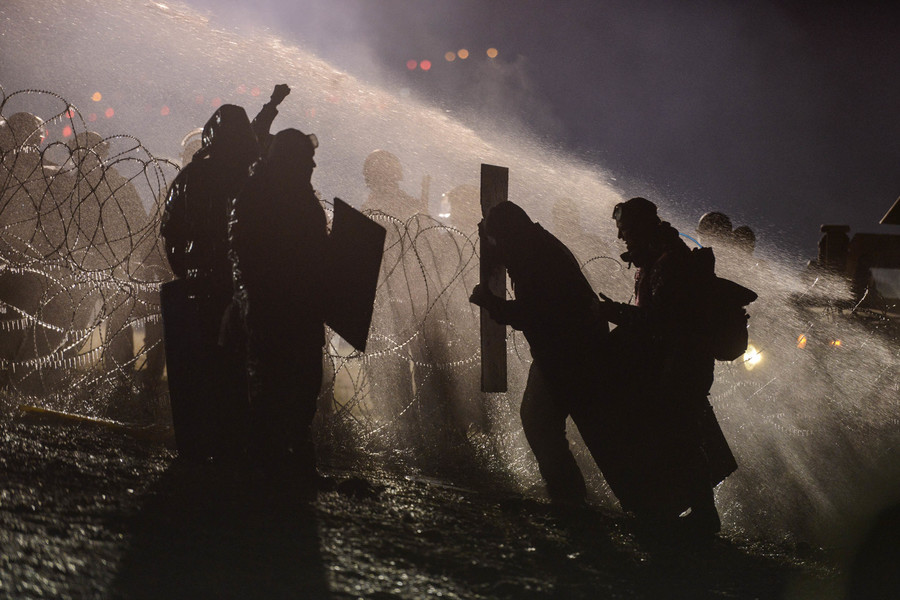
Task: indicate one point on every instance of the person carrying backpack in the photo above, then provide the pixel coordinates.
(664, 350)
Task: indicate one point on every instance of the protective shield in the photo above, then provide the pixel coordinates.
(181, 337)
(356, 247)
(207, 382)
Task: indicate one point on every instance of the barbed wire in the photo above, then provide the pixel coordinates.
(81, 264)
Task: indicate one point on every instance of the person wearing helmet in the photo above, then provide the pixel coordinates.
(553, 307)
(106, 218)
(21, 131)
(461, 207)
(278, 235)
(29, 232)
(744, 239)
(396, 313)
(714, 229)
(23, 185)
(677, 448)
(383, 173)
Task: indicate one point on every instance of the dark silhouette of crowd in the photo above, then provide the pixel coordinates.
(247, 239)
(638, 393)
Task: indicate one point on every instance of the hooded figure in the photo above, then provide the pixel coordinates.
(194, 223)
(278, 239)
(383, 173)
(675, 448)
(207, 381)
(553, 307)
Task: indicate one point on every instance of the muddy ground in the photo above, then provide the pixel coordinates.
(89, 511)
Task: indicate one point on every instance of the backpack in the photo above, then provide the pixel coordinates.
(725, 316)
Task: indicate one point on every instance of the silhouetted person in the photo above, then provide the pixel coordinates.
(401, 285)
(714, 229)
(383, 173)
(23, 187)
(453, 395)
(553, 308)
(208, 379)
(107, 215)
(148, 268)
(279, 236)
(680, 453)
(461, 208)
(872, 573)
(744, 239)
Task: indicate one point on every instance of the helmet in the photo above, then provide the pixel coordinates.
(89, 141)
(382, 167)
(462, 204)
(714, 224)
(190, 145)
(291, 146)
(21, 129)
(744, 237)
(636, 211)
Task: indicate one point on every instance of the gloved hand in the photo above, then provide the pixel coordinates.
(280, 93)
(481, 296)
(604, 309)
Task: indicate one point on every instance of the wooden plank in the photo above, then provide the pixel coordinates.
(494, 190)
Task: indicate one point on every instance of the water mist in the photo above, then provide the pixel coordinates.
(814, 425)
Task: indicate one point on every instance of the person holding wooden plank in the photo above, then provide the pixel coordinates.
(553, 307)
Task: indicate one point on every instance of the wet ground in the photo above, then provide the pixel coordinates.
(90, 511)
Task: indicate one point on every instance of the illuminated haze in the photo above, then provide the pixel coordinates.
(782, 114)
(811, 430)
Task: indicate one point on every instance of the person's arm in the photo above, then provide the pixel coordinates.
(173, 226)
(505, 312)
(262, 123)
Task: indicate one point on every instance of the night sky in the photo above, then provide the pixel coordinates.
(781, 114)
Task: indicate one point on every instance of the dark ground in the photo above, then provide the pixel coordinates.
(89, 511)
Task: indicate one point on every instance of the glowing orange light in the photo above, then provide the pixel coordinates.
(109, 113)
(492, 53)
(450, 56)
(255, 91)
(836, 343)
(164, 111)
(463, 54)
(411, 64)
(801, 341)
(92, 117)
(67, 131)
(216, 102)
(70, 114)
(97, 97)
(425, 64)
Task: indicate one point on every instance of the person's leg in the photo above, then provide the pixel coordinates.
(544, 423)
(301, 407)
(285, 380)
